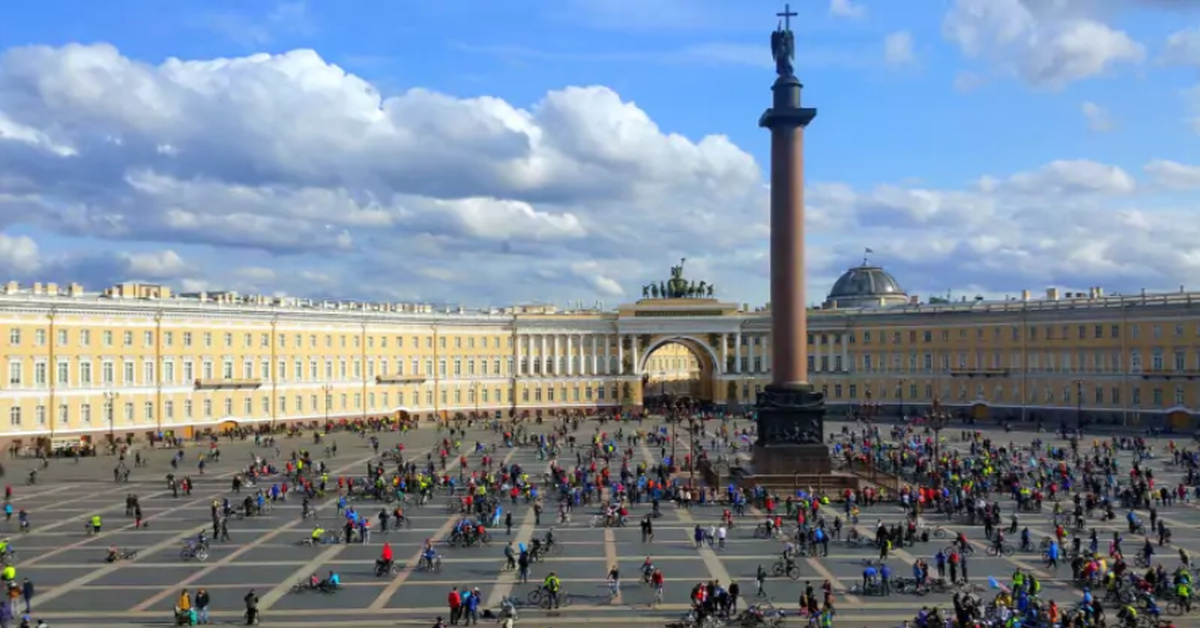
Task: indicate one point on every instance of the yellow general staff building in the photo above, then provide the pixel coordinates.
(137, 360)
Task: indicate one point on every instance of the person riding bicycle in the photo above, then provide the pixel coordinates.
(647, 569)
(317, 534)
(789, 556)
(333, 581)
(23, 520)
(114, 554)
(1129, 615)
(998, 541)
(428, 555)
(385, 561)
(870, 575)
(552, 586)
(961, 542)
(1134, 521)
(1184, 591)
(549, 538)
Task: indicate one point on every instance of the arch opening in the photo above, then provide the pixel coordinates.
(677, 369)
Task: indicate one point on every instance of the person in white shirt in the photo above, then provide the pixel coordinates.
(721, 537)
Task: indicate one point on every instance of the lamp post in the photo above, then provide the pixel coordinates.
(327, 389)
(110, 399)
(1079, 404)
(937, 420)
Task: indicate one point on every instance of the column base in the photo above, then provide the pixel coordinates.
(791, 431)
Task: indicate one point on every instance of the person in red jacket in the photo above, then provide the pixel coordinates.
(455, 602)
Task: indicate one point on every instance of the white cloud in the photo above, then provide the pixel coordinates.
(19, 255)
(1098, 119)
(847, 8)
(1172, 174)
(1046, 44)
(898, 49)
(284, 174)
(1183, 47)
(156, 265)
(1067, 177)
(289, 155)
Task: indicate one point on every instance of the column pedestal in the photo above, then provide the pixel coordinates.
(791, 420)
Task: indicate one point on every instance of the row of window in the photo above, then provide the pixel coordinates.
(1033, 333)
(1036, 394)
(207, 339)
(457, 397)
(1081, 361)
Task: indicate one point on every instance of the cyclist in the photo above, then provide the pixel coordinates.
(1129, 615)
(332, 582)
(656, 581)
(23, 520)
(1184, 591)
(317, 534)
(614, 580)
(869, 576)
(552, 586)
(428, 555)
(788, 556)
(384, 564)
(998, 542)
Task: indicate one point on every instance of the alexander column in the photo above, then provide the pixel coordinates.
(790, 413)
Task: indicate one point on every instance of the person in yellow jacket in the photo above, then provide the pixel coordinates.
(185, 602)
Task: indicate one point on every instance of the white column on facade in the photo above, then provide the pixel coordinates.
(595, 357)
(518, 356)
(845, 353)
(542, 354)
(637, 356)
(609, 353)
(737, 352)
(753, 339)
(555, 353)
(570, 354)
(620, 354)
(723, 367)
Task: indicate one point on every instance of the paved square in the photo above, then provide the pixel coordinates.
(75, 587)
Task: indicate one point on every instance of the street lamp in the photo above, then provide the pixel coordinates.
(937, 420)
(110, 399)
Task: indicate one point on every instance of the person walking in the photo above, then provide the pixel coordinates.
(202, 601)
(27, 593)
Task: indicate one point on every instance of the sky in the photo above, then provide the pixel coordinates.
(494, 153)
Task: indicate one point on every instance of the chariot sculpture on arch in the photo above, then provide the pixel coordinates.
(678, 287)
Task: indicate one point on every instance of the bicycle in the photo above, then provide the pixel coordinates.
(781, 568)
(190, 551)
(1005, 550)
(434, 565)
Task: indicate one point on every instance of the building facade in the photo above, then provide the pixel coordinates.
(137, 359)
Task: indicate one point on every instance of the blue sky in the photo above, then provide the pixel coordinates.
(977, 146)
